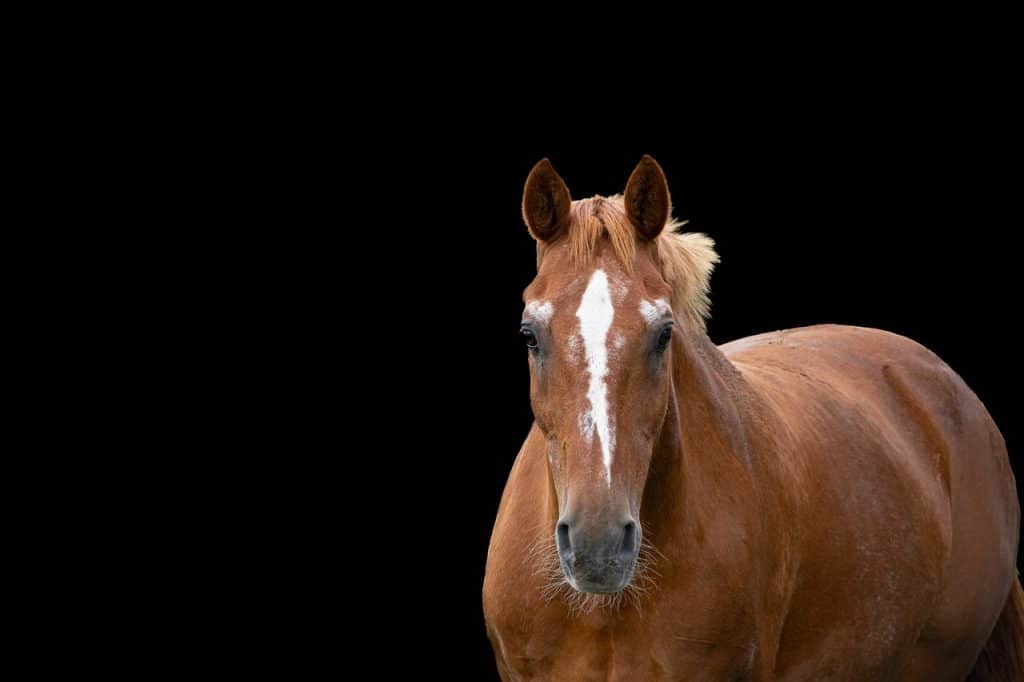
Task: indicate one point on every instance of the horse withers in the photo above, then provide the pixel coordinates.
(823, 503)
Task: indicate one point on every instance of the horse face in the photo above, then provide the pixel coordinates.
(599, 337)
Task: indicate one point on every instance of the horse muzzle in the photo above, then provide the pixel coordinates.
(598, 559)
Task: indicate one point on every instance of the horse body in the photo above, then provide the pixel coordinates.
(876, 479)
(903, 515)
(824, 503)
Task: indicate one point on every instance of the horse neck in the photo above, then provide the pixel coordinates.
(701, 453)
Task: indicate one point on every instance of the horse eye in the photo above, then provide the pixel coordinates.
(664, 338)
(528, 336)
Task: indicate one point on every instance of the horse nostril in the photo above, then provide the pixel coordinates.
(564, 543)
(629, 541)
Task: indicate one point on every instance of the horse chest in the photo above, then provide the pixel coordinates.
(623, 645)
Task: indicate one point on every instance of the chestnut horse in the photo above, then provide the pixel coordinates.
(823, 503)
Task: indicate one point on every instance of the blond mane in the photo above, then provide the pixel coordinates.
(686, 259)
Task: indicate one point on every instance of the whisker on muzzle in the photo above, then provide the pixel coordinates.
(542, 557)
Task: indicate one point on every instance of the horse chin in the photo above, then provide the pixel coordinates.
(604, 582)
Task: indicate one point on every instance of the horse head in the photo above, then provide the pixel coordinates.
(613, 289)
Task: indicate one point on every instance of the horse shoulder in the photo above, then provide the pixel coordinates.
(518, 555)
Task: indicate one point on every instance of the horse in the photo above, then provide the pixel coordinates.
(822, 503)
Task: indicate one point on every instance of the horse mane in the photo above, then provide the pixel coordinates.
(685, 259)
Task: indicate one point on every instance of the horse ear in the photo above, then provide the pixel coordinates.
(546, 202)
(647, 201)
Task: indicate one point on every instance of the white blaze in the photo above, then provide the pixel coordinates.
(595, 315)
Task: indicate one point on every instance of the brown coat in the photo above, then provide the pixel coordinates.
(824, 503)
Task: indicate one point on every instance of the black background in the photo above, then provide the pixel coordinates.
(897, 218)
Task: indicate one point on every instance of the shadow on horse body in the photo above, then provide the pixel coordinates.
(824, 503)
